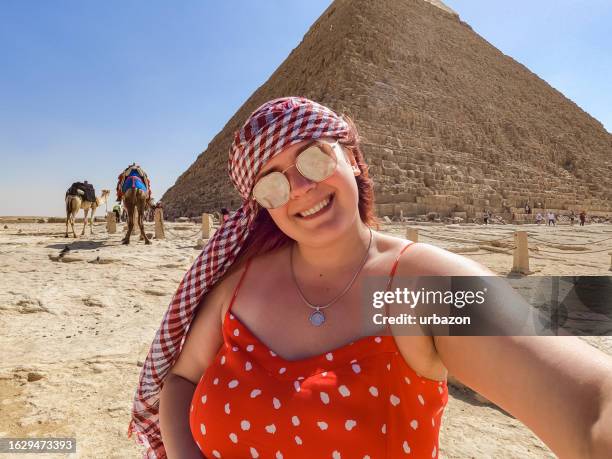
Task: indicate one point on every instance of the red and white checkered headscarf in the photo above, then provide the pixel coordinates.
(271, 128)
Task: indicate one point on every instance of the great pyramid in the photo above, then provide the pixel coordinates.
(449, 123)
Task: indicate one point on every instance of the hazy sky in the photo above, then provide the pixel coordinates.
(88, 87)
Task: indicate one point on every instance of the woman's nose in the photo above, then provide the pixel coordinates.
(299, 184)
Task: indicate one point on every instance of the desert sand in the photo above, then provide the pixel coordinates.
(76, 329)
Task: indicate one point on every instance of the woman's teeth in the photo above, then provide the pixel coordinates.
(315, 209)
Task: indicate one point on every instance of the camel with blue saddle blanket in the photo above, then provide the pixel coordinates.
(134, 190)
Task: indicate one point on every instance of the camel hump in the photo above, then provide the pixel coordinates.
(134, 170)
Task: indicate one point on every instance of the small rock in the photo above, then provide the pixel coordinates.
(97, 368)
(33, 376)
(139, 363)
(93, 302)
(5, 226)
(30, 305)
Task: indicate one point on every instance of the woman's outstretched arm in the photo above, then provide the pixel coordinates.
(558, 386)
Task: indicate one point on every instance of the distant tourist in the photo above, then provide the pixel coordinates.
(539, 218)
(572, 218)
(551, 218)
(224, 214)
(150, 209)
(117, 211)
(487, 216)
(582, 218)
(527, 209)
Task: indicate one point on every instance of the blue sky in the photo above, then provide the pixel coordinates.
(89, 87)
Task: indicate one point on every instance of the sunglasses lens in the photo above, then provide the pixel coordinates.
(272, 190)
(316, 164)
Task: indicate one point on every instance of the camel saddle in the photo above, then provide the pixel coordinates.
(85, 191)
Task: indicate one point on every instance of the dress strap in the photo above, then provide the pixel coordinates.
(394, 268)
(246, 268)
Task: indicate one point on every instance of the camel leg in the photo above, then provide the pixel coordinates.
(141, 209)
(126, 239)
(85, 211)
(137, 218)
(91, 219)
(72, 215)
(68, 214)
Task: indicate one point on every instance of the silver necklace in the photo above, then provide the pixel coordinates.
(317, 318)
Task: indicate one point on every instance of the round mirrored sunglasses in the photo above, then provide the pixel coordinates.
(316, 162)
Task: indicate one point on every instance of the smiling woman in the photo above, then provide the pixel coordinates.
(263, 351)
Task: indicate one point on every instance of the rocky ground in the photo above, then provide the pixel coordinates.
(76, 328)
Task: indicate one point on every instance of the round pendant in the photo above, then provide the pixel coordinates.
(317, 318)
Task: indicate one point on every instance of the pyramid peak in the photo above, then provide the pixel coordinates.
(442, 6)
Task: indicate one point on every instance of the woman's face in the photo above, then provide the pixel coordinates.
(338, 194)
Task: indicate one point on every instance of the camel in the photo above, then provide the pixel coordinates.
(135, 200)
(75, 202)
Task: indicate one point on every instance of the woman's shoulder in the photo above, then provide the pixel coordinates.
(422, 259)
(224, 290)
(219, 296)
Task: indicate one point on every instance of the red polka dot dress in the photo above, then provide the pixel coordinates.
(358, 401)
